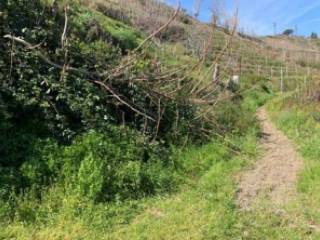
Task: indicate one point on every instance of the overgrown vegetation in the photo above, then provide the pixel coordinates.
(203, 202)
(98, 125)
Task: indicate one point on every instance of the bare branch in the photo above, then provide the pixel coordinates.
(109, 89)
(63, 36)
(48, 61)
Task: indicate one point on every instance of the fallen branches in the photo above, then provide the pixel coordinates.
(48, 61)
(140, 88)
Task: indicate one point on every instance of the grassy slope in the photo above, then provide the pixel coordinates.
(204, 207)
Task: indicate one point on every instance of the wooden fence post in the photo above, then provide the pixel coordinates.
(240, 65)
(281, 81)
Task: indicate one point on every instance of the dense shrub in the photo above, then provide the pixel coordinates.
(234, 116)
(119, 164)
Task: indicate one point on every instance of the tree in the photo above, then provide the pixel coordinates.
(314, 35)
(288, 32)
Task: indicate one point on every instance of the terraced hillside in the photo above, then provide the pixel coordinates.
(130, 119)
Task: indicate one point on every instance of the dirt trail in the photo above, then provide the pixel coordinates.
(274, 175)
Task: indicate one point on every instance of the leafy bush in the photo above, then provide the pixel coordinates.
(117, 165)
(234, 117)
(42, 167)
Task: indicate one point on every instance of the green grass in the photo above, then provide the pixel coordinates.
(208, 211)
(126, 36)
(203, 211)
(204, 207)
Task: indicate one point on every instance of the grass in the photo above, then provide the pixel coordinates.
(298, 123)
(203, 211)
(204, 208)
(126, 35)
(208, 211)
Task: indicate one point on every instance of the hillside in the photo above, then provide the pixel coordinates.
(133, 120)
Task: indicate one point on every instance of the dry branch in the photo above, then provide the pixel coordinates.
(64, 33)
(29, 46)
(110, 90)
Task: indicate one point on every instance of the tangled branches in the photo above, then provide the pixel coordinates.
(142, 90)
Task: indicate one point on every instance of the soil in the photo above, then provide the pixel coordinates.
(274, 176)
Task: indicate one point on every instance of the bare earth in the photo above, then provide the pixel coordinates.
(274, 176)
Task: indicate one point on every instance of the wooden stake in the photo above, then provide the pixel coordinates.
(281, 81)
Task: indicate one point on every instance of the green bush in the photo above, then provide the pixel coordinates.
(42, 167)
(97, 166)
(90, 177)
(119, 165)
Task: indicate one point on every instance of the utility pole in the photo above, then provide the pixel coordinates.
(274, 28)
(196, 9)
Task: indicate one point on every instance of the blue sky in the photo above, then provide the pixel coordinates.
(259, 16)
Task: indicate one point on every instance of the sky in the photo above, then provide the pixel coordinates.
(264, 17)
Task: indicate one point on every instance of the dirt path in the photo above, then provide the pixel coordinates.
(274, 175)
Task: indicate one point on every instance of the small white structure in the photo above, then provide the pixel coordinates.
(235, 79)
(234, 83)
